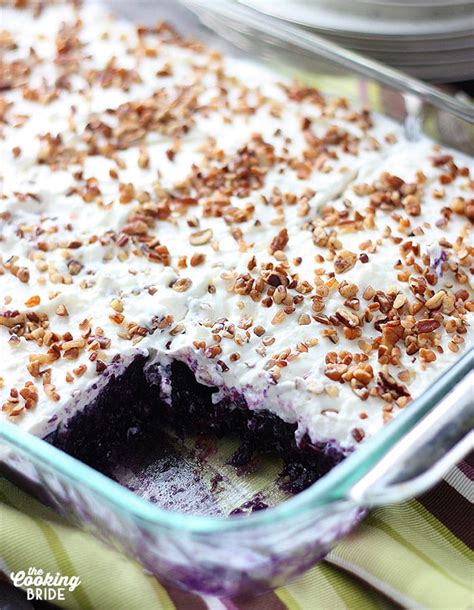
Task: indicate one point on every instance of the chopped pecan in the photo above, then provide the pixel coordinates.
(344, 261)
(347, 318)
(390, 385)
(427, 325)
(280, 241)
(335, 371)
(391, 332)
(200, 238)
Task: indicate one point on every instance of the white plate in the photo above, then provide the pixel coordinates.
(441, 59)
(410, 38)
(417, 2)
(441, 74)
(339, 16)
(430, 58)
(401, 46)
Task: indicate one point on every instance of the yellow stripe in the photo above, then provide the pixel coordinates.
(26, 504)
(61, 558)
(353, 594)
(12, 548)
(163, 598)
(420, 534)
(378, 554)
(320, 588)
(374, 96)
(381, 524)
(66, 567)
(93, 561)
(457, 544)
(286, 597)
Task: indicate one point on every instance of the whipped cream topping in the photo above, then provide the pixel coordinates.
(159, 198)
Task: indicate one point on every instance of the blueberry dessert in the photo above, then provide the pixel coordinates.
(189, 240)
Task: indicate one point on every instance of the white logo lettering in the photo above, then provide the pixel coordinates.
(41, 585)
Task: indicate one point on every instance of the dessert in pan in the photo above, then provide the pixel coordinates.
(188, 240)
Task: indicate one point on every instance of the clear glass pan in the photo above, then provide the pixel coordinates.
(230, 555)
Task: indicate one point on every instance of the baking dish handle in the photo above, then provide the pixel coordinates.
(426, 454)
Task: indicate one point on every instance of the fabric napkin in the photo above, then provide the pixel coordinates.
(416, 555)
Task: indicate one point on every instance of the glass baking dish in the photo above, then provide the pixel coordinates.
(231, 555)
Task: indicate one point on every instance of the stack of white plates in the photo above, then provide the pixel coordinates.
(430, 39)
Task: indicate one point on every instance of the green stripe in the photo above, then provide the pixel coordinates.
(17, 501)
(407, 522)
(60, 554)
(28, 504)
(442, 530)
(383, 593)
(331, 583)
(6, 500)
(64, 562)
(313, 589)
(286, 597)
(374, 96)
(164, 599)
(400, 573)
(387, 529)
(352, 594)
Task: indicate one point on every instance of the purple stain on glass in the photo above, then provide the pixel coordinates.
(437, 263)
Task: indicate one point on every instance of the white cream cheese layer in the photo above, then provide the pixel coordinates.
(158, 197)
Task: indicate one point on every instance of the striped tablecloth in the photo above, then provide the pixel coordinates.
(415, 555)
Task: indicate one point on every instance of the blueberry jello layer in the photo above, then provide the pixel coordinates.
(189, 239)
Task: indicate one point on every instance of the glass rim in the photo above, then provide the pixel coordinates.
(331, 488)
(297, 36)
